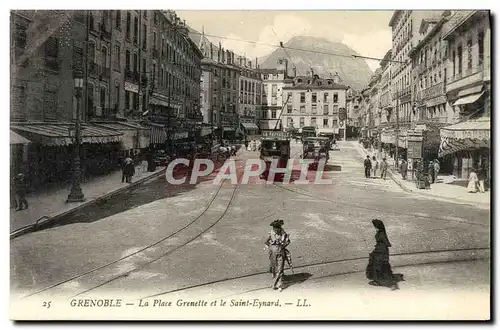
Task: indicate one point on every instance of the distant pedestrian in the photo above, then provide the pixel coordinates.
(473, 181)
(481, 175)
(430, 171)
(403, 168)
(379, 270)
(368, 167)
(437, 168)
(21, 189)
(129, 170)
(383, 168)
(374, 167)
(276, 242)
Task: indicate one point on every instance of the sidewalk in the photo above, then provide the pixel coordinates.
(443, 189)
(52, 204)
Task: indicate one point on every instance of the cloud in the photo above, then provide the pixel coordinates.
(372, 44)
(284, 27)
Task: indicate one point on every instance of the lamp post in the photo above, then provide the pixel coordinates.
(76, 194)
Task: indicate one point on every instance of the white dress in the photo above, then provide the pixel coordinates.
(472, 186)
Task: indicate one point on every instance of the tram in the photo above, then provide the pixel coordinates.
(274, 145)
(308, 131)
(316, 149)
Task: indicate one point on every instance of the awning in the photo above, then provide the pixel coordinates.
(472, 129)
(468, 99)
(18, 139)
(471, 90)
(228, 129)
(130, 132)
(155, 101)
(471, 134)
(58, 134)
(249, 126)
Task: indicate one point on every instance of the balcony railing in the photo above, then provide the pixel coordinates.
(466, 73)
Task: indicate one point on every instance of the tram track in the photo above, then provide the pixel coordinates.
(164, 239)
(326, 263)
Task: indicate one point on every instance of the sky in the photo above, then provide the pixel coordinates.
(367, 32)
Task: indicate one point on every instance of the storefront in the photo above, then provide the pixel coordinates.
(250, 130)
(469, 144)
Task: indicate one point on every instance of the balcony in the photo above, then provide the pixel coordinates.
(432, 92)
(467, 77)
(456, 21)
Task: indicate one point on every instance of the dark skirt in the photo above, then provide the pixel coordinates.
(379, 269)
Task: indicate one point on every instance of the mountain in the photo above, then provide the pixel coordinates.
(352, 71)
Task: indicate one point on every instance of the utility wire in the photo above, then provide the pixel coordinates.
(299, 49)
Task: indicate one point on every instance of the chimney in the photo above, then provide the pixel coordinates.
(256, 63)
(294, 71)
(250, 64)
(245, 61)
(239, 60)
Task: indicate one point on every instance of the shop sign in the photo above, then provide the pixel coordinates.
(180, 135)
(414, 149)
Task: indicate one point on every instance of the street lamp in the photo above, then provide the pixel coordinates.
(76, 194)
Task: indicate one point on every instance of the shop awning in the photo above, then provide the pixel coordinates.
(249, 126)
(130, 133)
(58, 134)
(18, 139)
(228, 129)
(468, 99)
(471, 134)
(157, 134)
(472, 129)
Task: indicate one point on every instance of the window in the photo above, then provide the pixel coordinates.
(18, 103)
(136, 63)
(325, 97)
(144, 36)
(289, 108)
(154, 40)
(325, 109)
(145, 12)
(480, 43)
(91, 51)
(127, 60)
(453, 56)
(335, 97)
(102, 98)
(335, 109)
(90, 97)
(334, 123)
(314, 98)
(313, 109)
(302, 109)
(118, 19)
(49, 106)
(274, 90)
(264, 114)
(104, 57)
(117, 96)
(144, 66)
(273, 114)
(136, 30)
(20, 36)
(129, 22)
(313, 121)
(117, 56)
(301, 122)
(302, 97)
(325, 122)
(52, 47)
(460, 56)
(469, 52)
(77, 58)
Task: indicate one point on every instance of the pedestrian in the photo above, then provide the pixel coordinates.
(129, 170)
(21, 189)
(368, 166)
(473, 181)
(481, 175)
(403, 168)
(437, 168)
(430, 171)
(383, 168)
(379, 270)
(276, 242)
(374, 166)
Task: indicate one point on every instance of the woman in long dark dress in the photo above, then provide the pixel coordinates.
(379, 269)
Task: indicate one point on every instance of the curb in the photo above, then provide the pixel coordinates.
(423, 193)
(45, 220)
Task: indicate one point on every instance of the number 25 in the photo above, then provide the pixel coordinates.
(46, 304)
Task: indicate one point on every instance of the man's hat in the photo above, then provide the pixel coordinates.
(277, 223)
